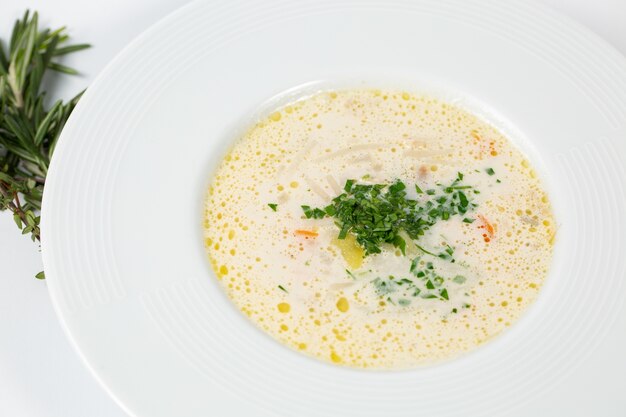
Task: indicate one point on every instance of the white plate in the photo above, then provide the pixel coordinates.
(122, 212)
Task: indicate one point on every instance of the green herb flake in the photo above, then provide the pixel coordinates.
(280, 287)
(315, 213)
(414, 265)
(459, 279)
(490, 171)
(400, 243)
(273, 206)
(462, 199)
(404, 302)
(384, 286)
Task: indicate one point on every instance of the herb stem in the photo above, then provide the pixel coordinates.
(424, 250)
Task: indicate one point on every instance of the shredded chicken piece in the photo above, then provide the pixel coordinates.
(350, 149)
(316, 188)
(333, 184)
(297, 161)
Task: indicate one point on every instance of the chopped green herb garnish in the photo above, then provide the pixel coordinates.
(490, 171)
(313, 213)
(273, 206)
(459, 279)
(280, 287)
(351, 275)
(468, 220)
(425, 282)
(462, 199)
(414, 265)
(330, 210)
(400, 243)
(382, 213)
(384, 286)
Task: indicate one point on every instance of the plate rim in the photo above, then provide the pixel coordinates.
(47, 206)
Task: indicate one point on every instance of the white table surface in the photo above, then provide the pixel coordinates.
(40, 375)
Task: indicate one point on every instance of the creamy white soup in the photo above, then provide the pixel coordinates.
(378, 229)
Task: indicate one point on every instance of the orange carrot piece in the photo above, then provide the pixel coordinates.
(490, 229)
(307, 233)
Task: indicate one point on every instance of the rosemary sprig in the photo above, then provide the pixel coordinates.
(29, 129)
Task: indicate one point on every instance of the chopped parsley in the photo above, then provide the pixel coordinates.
(382, 213)
(385, 286)
(280, 287)
(313, 213)
(447, 254)
(443, 293)
(425, 283)
(490, 171)
(273, 206)
(459, 279)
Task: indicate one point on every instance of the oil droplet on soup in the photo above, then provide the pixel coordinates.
(470, 273)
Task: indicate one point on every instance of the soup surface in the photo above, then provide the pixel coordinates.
(378, 229)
